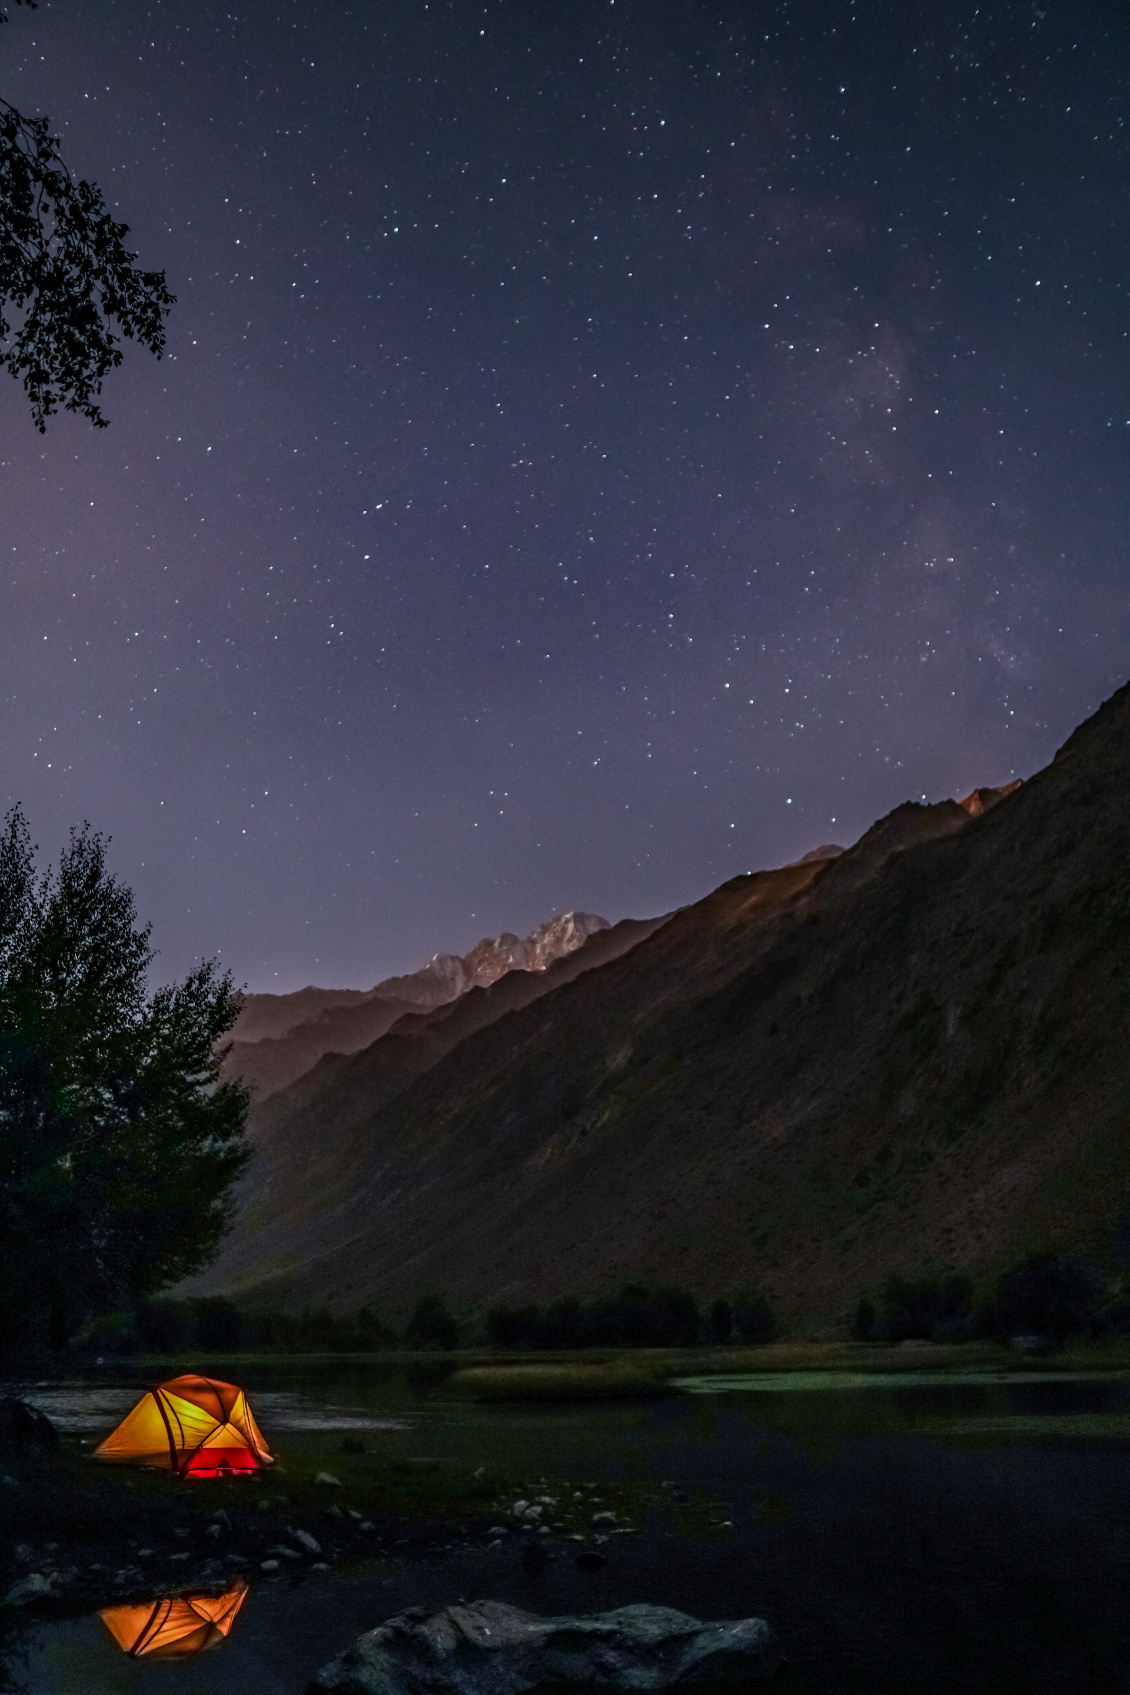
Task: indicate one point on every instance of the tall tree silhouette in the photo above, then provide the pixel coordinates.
(118, 1141)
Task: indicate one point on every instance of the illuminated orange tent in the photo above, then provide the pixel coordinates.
(196, 1426)
(177, 1626)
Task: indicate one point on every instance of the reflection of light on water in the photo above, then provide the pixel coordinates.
(76, 1409)
(176, 1625)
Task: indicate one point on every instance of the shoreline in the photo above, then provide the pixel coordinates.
(100, 1538)
(662, 1364)
(101, 1535)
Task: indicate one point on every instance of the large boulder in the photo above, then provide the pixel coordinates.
(490, 1648)
(21, 1422)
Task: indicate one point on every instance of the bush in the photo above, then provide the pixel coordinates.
(1057, 1296)
(216, 1326)
(372, 1333)
(316, 1331)
(753, 1319)
(565, 1324)
(165, 1327)
(1120, 1240)
(863, 1321)
(109, 1333)
(1054, 1295)
(1117, 1315)
(720, 1321)
(512, 1327)
(635, 1318)
(934, 1309)
(431, 1325)
(219, 1327)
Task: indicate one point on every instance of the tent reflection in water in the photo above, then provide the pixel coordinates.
(173, 1628)
(196, 1426)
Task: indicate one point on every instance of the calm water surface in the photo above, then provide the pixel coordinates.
(906, 1533)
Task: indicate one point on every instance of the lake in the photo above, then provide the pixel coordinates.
(908, 1532)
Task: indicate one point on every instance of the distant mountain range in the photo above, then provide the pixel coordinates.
(915, 1052)
(279, 1037)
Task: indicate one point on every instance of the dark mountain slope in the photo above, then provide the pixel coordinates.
(310, 1138)
(265, 1017)
(917, 1051)
(271, 1062)
(316, 1142)
(279, 1037)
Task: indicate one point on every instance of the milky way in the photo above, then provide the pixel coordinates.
(603, 447)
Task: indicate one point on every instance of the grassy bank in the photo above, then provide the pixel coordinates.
(647, 1373)
(561, 1380)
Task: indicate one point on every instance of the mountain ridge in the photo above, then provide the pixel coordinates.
(268, 1051)
(913, 1051)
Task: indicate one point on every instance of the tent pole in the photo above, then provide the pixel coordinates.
(160, 1400)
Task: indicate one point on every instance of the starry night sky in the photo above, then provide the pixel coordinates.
(604, 446)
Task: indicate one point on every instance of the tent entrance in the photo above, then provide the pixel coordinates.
(219, 1462)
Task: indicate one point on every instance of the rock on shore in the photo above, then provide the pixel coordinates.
(23, 1424)
(490, 1648)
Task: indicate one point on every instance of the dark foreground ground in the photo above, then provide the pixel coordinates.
(104, 1534)
(885, 1608)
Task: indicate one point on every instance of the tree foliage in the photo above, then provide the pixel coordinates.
(66, 272)
(431, 1325)
(118, 1141)
(1059, 1296)
(636, 1317)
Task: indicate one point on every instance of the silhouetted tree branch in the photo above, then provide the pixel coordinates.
(66, 270)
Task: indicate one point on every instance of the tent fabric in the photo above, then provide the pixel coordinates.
(195, 1425)
(175, 1626)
